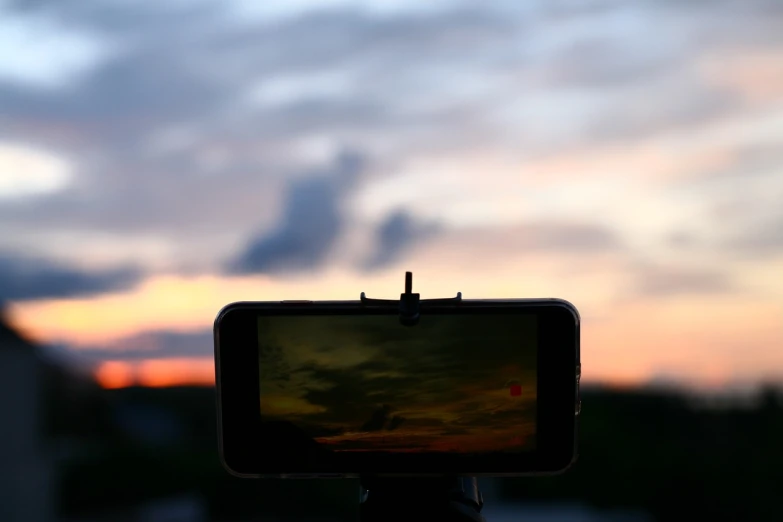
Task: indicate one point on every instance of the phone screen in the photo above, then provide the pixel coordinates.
(365, 383)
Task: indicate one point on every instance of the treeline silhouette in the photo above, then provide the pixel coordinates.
(673, 457)
(655, 451)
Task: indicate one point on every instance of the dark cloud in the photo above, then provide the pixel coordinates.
(489, 418)
(159, 344)
(275, 366)
(395, 422)
(395, 236)
(131, 94)
(192, 62)
(149, 76)
(383, 419)
(189, 61)
(344, 393)
(27, 279)
(665, 281)
(311, 224)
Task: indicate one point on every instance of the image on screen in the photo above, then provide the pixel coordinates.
(453, 383)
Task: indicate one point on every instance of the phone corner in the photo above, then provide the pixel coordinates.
(562, 469)
(224, 311)
(570, 465)
(231, 471)
(569, 306)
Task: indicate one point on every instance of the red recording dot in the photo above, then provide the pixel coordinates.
(515, 390)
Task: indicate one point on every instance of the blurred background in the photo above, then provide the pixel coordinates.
(161, 159)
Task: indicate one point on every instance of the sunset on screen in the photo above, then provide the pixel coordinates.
(452, 383)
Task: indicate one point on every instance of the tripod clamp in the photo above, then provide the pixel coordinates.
(446, 498)
(441, 499)
(409, 302)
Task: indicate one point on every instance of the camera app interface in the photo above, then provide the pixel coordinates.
(452, 383)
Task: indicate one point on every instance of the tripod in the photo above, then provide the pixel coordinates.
(439, 499)
(442, 499)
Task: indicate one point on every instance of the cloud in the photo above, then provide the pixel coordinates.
(382, 419)
(395, 236)
(764, 237)
(674, 280)
(58, 55)
(539, 245)
(573, 237)
(27, 279)
(534, 81)
(194, 63)
(310, 226)
(30, 172)
(159, 344)
(536, 237)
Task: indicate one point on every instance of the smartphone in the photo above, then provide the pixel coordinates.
(343, 389)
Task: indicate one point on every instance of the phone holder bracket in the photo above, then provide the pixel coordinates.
(443, 499)
(409, 302)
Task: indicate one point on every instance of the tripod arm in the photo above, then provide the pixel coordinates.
(434, 499)
(441, 499)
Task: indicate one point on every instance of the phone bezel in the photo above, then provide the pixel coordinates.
(559, 369)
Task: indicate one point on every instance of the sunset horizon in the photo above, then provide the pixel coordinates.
(152, 173)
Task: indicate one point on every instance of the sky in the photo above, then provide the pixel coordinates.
(159, 160)
(370, 383)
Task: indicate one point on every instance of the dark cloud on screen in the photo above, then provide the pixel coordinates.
(383, 419)
(440, 363)
(275, 368)
(489, 418)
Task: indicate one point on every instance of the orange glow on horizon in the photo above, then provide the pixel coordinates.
(115, 374)
(185, 304)
(157, 373)
(172, 303)
(626, 342)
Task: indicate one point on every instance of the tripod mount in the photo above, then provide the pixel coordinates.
(409, 302)
(437, 499)
(444, 498)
